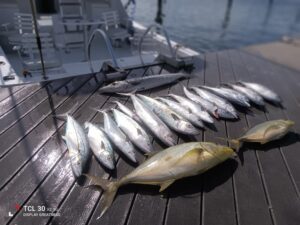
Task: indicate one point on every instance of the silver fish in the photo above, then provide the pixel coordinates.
(141, 83)
(77, 143)
(252, 95)
(207, 105)
(194, 107)
(153, 122)
(171, 118)
(128, 111)
(118, 137)
(184, 112)
(165, 167)
(225, 109)
(262, 90)
(230, 95)
(100, 145)
(133, 130)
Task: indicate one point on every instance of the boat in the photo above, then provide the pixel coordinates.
(79, 38)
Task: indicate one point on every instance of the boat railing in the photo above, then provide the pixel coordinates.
(108, 46)
(160, 27)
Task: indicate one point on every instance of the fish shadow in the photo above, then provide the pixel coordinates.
(189, 187)
(289, 139)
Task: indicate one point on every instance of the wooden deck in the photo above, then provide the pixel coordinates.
(261, 189)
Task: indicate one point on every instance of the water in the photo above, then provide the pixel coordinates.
(210, 25)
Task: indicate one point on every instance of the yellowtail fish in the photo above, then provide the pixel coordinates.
(264, 132)
(77, 143)
(165, 167)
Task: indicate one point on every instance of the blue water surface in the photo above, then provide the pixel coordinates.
(210, 25)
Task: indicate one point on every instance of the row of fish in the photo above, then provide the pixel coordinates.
(184, 160)
(161, 116)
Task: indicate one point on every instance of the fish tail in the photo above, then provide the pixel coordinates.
(233, 143)
(63, 116)
(109, 188)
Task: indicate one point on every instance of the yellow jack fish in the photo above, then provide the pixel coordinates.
(165, 167)
(264, 132)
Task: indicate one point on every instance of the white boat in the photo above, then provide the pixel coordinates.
(116, 42)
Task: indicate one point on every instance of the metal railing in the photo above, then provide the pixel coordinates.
(173, 55)
(108, 45)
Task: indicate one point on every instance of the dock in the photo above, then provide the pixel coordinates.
(260, 188)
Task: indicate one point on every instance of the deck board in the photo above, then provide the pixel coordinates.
(262, 189)
(251, 200)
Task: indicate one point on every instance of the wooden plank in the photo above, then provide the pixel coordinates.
(27, 124)
(71, 205)
(12, 162)
(251, 200)
(14, 115)
(289, 152)
(218, 197)
(285, 207)
(123, 202)
(59, 183)
(148, 200)
(5, 92)
(23, 185)
(16, 98)
(184, 197)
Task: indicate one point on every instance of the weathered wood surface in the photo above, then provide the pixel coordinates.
(261, 189)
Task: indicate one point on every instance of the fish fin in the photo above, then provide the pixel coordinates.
(102, 145)
(63, 116)
(139, 132)
(165, 185)
(264, 142)
(150, 154)
(109, 188)
(268, 129)
(134, 82)
(215, 113)
(175, 117)
(127, 94)
(99, 110)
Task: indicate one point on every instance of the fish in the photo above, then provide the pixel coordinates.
(231, 95)
(207, 105)
(264, 132)
(120, 140)
(128, 112)
(77, 144)
(225, 108)
(100, 145)
(136, 134)
(165, 167)
(184, 112)
(262, 90)
(252, 95)
(153, 122)
(194, 107)
(170, 117)
(142, 83)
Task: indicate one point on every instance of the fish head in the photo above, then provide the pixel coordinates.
(188, 127)
(116, 86)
